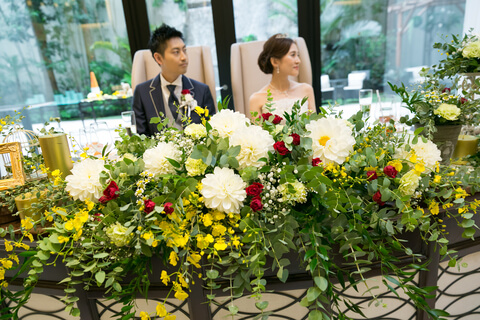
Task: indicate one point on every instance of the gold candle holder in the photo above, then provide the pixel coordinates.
(466, 146)
(24, 205)
(56, 153)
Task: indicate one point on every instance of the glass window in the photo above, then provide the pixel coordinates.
(49, 48)
(193, 18)
(258, 20)
(366, 43)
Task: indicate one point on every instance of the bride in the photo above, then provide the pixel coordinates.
(280, 57)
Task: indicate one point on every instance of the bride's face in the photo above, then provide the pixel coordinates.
(290, 62)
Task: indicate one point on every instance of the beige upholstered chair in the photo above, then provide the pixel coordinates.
(247, 77)
(200, 67)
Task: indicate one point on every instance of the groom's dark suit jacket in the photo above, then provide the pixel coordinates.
(148, 102)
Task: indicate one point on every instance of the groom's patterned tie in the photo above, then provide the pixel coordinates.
(173, 102)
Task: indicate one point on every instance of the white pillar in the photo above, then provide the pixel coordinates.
(472, 16)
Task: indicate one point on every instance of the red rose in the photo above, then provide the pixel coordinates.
(296, 139)
(390, 171)
(149, 206)
(254, 189)
(98, 215)
(167, 208)
(371, 175)
(256, 204)
(266, 116)
(377, 197)
(463, 100)
(186, 91)
(110, 192)
(316, 162)
(446, 90)
(279, 146)
(277, 119)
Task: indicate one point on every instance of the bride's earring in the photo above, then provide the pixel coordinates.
(278, 69)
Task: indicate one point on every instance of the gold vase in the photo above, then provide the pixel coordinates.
(56, 153)
(24, 205)
(466, 146)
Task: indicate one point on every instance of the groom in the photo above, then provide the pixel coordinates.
(162, 94)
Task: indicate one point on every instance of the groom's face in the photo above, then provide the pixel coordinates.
(174, 60)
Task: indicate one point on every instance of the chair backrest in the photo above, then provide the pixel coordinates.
(325, 81)
(200, 67)
(355, 79)
(247, 78)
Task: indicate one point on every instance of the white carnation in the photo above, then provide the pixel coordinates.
(226, 122)
(223, 190)
(156, 158)
(255, 144)
(332, 140)
(84, 182)
(196, 131)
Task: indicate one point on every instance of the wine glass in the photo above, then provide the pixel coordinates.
(128, 118)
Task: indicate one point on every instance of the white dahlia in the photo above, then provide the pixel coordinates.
(223, 190)
(84, 182)
(226, 122)
(332, 140)
(156, 158)
(255, 144)
(426, 153)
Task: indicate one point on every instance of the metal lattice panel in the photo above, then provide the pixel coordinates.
(284, 305)
(396, 308)
(107, 308)
(44, 307)
(459, 289)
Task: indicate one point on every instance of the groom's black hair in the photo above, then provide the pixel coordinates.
(159, 38)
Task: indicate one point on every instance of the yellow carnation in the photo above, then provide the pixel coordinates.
(195, 167)
(448, 111)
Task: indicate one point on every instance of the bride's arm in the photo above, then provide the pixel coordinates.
(311, 99)
(255, 105)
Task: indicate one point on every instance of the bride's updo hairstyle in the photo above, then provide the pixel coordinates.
(276, 46)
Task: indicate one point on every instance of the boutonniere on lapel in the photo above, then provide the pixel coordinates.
(187, 102)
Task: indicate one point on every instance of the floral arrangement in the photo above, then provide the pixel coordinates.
(221, 199)
(462, 55)
(431, 103)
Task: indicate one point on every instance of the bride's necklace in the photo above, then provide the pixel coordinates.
(285, 93)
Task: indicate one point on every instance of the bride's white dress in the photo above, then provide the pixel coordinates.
(285, 105)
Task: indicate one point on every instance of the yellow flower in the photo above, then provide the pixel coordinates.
(144, 316)
(220, 245)
(447, 205)
(171, 316)
(207, 220)
(462, 210)
(8, 246)
(62, 239)
(29, 236)
(7, 264)
(165, 278)
(2, 273)
(419, 167)
(161, 311)
(433, 207)
(173, 258)
(437, 179)
(181, 295)
(147, 235)
(218, 215)
(413, 158)
(56, 173)
(218, 230)
(194, 258)
(90, 204)
(27, 223)
(235, 241)
(460, 193)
